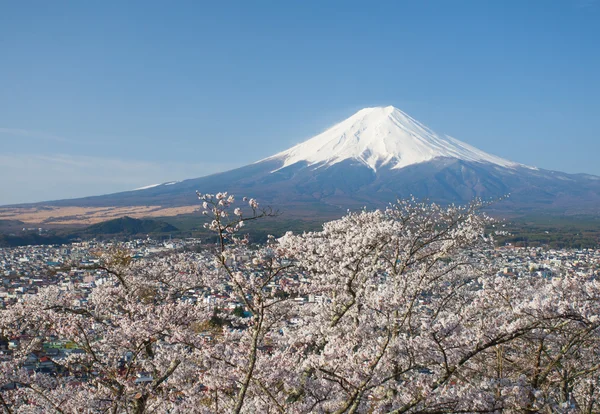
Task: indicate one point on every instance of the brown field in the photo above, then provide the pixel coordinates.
(87, 215)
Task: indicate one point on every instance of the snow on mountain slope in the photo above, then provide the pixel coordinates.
(155, 185)
(146, 187)
(383, 136)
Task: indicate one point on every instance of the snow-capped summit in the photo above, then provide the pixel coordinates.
(383, 136)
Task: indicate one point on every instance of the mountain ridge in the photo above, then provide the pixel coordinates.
(370, 159)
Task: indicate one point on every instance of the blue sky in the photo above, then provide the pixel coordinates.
(97, 97)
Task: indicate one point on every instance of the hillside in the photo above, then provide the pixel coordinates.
(129, 226)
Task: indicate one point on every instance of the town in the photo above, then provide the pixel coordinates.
(74, 269)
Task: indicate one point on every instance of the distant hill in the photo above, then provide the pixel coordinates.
(129, 226)
(125, 226)
(11, 224)
(31, 239)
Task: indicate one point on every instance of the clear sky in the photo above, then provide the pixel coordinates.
(104, 96)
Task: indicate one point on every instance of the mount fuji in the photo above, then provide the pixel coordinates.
(372, 158)
(382, 137)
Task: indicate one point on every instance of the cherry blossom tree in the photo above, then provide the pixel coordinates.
(399, 310)
(131, 337)
(404, 314)
(554, 366)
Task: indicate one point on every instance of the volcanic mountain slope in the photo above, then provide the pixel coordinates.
(372, 158)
